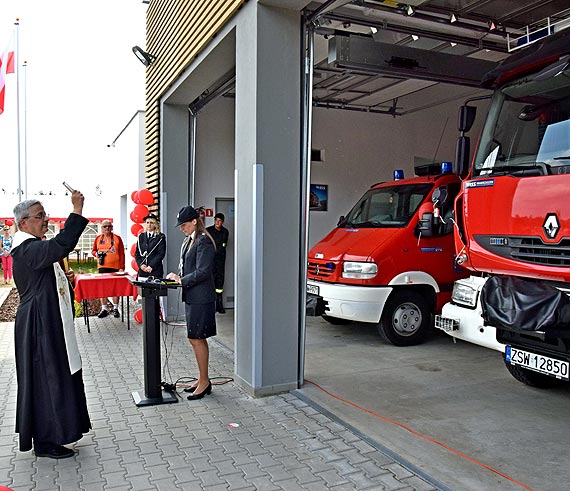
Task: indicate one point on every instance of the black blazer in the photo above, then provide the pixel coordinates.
(151, 252)
(198, 272)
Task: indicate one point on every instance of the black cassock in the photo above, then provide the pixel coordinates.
(51, 405)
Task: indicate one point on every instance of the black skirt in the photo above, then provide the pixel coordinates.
(201, 320)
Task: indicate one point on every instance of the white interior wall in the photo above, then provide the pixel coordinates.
(215, 153)
(362, 149)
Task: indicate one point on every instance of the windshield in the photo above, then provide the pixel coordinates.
(527, 131)
(387, 207)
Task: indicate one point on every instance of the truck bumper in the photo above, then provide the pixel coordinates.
(355, 303)
(467, 324)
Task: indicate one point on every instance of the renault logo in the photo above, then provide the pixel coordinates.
(317, 269)
(551, 225)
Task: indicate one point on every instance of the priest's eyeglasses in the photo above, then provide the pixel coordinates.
(40, 216)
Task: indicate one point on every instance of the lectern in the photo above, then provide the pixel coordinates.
(153, 394)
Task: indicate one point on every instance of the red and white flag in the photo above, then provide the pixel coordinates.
(6, 67)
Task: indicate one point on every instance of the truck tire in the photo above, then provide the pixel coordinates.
(335, 321)
(531, 378)
(406, 319)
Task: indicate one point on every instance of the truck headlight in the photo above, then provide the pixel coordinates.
(464, 294)
(360, 271)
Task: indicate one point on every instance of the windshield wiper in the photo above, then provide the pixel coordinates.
(521, 170)
(561, 158)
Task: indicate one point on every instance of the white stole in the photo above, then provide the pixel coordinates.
(67, 319)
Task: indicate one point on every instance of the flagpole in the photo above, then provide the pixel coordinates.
(25, 65)
(17, 62)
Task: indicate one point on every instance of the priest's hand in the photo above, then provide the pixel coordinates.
(70, 276)
(77, 200)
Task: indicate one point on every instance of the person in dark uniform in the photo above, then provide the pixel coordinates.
(197, 280)
(221, 235)
(151, 249)
(51, 408)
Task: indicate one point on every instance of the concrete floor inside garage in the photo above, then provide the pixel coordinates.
(459, 395)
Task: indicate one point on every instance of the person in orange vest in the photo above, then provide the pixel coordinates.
(109, 250)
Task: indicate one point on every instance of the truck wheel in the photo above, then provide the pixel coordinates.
(406, 319)
(534, 379)
(335, 321)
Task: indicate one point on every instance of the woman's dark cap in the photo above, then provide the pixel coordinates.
(186, 214)
(150, 215)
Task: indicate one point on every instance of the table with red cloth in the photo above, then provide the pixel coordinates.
(102, 285)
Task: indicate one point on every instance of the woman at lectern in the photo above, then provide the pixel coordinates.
(196, 275)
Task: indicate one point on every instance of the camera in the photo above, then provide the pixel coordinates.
(101, 255)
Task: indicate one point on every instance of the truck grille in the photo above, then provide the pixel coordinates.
(527, 249)
(320, 269)
(533, 250)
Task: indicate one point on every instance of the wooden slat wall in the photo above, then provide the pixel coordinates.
(177, 30)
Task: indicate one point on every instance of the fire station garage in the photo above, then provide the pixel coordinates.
(293, 121)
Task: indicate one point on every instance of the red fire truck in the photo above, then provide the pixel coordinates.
(390, 261)
(513, 217)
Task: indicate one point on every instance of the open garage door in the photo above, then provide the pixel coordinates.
(416, 62)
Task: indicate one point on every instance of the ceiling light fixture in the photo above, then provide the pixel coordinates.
(373, 30)
(453, 44)
(492, 26)
(410, 11)
(145, 58)
(452, 18)
(414, 37)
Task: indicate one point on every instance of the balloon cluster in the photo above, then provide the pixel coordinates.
(141, 199)
(9, 222)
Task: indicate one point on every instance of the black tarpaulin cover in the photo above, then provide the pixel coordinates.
(315, 305)
(515, 303)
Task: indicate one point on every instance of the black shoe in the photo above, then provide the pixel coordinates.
(207, 390)
(116, 314)
(189, 389)
(102, 314)
(53, 451)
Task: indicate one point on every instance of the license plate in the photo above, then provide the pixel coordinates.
(537, 363)
(313, 289)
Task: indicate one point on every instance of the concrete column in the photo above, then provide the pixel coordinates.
(175, 180)
(267, 152)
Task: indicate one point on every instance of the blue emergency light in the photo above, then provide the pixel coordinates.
(446, 167)
(398, 174)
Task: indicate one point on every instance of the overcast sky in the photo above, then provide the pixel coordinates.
(83, 84)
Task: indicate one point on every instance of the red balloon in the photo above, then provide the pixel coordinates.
(140, 212)
(138, 316)
(141, 231)
(134, 265)
(133, 249)
(145, 197)
(135, 197)
(9, 223)
(133, 217)
(136, 229)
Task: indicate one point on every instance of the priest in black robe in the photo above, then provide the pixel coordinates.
(51, 407)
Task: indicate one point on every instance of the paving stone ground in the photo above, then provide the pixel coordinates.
(226, 441)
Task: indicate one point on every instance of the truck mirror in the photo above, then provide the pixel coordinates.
(425, 225)
(340, 221)
(466, 118)
(439, 196)
(462, 150)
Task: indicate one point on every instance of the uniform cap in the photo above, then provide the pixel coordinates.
(186, 214)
